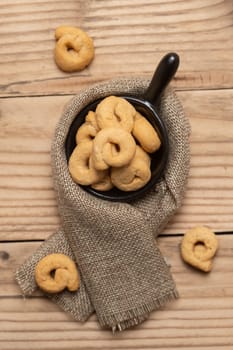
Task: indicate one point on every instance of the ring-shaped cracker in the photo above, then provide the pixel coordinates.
(115, 111)
(103, 185)
(55, 272)
(74, 49)
(105, 155)
(81, 167)
(198, 247)
(145, 134)
(91, 119)
(86, 132)
(135, 175)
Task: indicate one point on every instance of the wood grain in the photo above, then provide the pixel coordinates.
(130, 37)
(201, 319)
(28, 207)
(129, 40)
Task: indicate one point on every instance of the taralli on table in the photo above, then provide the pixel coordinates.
(145, 134)
(115, 111)
(81, 167)
(135, 175)
(198, 247)
(74, 49)
(105, 155)
(55, 272)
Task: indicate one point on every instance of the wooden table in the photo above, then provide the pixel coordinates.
(130, 37)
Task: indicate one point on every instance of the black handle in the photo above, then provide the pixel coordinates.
(164, 73)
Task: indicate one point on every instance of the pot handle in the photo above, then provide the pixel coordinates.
(164, 73)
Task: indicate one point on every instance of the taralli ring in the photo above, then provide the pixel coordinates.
(115, 111)
(198, 248)
(74, 49)
(91, 119)
(86, 132)
(81, 166)
(104, 185)
(135, 175)
(145, 134)
(55, 272)
(113, 147)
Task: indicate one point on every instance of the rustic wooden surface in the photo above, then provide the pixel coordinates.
(130, 37)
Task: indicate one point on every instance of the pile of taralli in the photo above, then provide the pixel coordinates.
(113, 147)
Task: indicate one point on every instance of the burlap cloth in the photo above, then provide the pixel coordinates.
(123, 274)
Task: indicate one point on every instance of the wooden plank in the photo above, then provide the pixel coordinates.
(201, 319)
(28, 207)
(129, 40)
(191, 283)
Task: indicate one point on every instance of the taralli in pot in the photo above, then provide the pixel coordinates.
(74, 49)
(145, 134)
(86, 132)
(81, 167)
(104, 185)
(104, 152)
(198, 247)
(115, 111)
(140, 154)
(91, 119)
(135, 175)
(114, 128)
(55, 272)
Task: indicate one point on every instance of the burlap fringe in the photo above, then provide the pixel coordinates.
(137, 315)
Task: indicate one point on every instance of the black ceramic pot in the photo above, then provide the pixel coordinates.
(147, 106)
